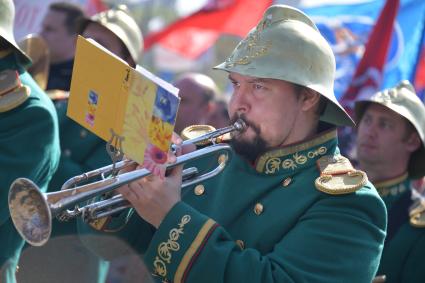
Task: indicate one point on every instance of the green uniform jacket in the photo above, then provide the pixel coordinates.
(402, 258)
(29, 147)
(266, 223)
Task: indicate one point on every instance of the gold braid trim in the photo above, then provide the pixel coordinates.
(274, 159)
(192, 250)
(391, 182)
(165, 248)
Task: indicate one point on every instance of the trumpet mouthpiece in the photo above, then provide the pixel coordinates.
(240, 125)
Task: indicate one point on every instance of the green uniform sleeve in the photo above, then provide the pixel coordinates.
(29, 148)
(335, 240)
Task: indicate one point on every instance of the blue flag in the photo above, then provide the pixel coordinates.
(347, 28)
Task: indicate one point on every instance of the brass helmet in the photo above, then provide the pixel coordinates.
(124, 26)
(286, 45)
(7, 15)
(403, 100)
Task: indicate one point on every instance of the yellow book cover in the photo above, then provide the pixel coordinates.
(109, 96)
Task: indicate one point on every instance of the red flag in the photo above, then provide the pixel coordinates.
(368, 76)
(193, 35)
(94, 7)
(420, 71)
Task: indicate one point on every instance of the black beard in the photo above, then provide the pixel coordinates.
(250, 150)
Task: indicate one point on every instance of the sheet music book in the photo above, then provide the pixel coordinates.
(109, 96)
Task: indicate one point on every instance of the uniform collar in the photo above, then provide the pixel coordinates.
(393, 186)
(294, 157)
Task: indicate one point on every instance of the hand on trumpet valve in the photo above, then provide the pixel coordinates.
(153, 196)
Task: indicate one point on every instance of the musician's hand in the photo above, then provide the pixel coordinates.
(155, 195)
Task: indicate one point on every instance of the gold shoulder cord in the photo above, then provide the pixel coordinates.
(12, 92)
(337, 176)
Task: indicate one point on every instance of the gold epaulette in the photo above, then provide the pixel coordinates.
(417, 215)
(12, 92)
(337, 176)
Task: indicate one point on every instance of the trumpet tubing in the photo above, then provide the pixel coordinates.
(32, 211)
(117, 203)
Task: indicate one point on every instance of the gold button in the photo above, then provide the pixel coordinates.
(83, 133)
(199, 190)
(258, 209)
(287, 181)
(241, 244)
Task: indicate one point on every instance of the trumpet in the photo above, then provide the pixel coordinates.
(32, 211)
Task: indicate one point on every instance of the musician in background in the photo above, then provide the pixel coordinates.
(391, 149)
(60, 30)
(196, 92)
(29, 139)
(288, 207)
(82, 151)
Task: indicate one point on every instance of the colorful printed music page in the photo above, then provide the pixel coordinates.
(108, 97)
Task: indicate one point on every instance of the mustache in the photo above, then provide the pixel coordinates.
(248, 122)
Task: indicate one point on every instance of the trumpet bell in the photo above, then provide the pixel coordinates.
(30, 212)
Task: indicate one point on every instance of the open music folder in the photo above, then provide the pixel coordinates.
(108, 97)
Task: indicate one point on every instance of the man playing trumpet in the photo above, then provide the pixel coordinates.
(288, 207)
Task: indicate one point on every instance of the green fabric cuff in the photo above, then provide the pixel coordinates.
(177, 242)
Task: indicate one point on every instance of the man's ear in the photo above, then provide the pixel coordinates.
(413, 142)
(310, 99)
